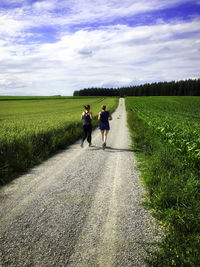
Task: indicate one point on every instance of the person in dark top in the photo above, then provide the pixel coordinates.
(86, 116)
(104, 117)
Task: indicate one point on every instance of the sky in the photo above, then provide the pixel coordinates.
(57, 46)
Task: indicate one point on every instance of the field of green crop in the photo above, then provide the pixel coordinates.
(177, 119)
(166, 136)
(31, 129)
(5, 98)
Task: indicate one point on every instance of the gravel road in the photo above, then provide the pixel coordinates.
(79, 208)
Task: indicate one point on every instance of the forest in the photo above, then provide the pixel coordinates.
(190, 87)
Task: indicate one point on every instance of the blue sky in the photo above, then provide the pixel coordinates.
(55, 47)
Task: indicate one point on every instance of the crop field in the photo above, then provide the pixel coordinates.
(166, 136)
(31, 129)
(176, 119)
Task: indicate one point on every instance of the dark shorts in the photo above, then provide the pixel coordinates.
(104, 126)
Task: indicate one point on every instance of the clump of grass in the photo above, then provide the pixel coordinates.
(173, 187)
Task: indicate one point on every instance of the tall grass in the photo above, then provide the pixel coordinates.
(173, 187)
(31, 130)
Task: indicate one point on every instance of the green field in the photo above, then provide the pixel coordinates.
(32, 129)
(5, 98)
(177, 119)
(166, 138)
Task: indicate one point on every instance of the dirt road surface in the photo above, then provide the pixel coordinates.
(79, 208)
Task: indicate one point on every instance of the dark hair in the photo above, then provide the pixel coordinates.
(87, 107)
(103, 107)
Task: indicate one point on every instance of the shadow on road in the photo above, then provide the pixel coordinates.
(113, 149)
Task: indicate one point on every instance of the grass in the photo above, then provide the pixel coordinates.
(172, 181)
(33, 129)
(6, 98)
(176, 119)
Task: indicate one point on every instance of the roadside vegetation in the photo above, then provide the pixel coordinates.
(32, 129)
(165, 132)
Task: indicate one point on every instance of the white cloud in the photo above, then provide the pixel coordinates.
(9, 26)
(44, 5)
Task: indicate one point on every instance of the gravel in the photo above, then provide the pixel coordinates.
(82, 207)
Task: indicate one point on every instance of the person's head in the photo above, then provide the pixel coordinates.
(87, 107)
(103, 107)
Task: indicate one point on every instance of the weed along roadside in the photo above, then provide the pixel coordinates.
(170, 171)
(33, 129)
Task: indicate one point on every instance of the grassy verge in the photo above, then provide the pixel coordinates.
(173, 186)
(26, 152)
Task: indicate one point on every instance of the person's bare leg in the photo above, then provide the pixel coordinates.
(102, 135)
(105, 136)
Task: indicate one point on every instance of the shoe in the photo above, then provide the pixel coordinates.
(90, 144)
(81, 144)
(104, 145)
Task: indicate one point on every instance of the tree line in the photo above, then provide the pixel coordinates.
(190, 87)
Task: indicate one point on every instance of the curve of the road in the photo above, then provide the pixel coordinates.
(79, 208)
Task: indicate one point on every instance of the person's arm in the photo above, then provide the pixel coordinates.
(110, 117)
(82, 115)
(91, 115)
(99, 116)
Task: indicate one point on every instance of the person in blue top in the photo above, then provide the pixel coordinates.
(86, 116)
(104, 117)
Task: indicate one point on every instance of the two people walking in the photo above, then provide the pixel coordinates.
(103, 116)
